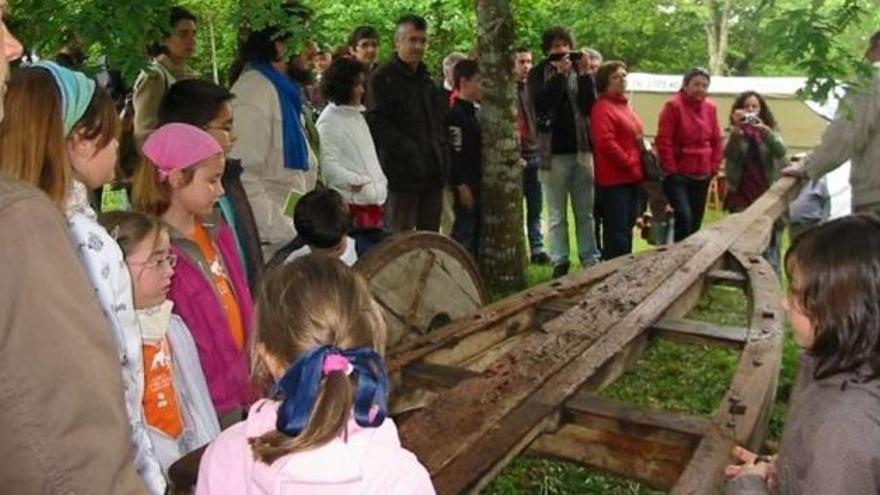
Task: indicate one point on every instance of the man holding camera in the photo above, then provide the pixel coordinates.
(561, 89)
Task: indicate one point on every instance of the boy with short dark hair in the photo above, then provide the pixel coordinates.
(322, 222)
(465, 138)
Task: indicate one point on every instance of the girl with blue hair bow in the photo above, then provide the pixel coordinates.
(323, 428)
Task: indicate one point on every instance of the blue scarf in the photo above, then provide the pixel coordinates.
(296, 154)
(303, 379)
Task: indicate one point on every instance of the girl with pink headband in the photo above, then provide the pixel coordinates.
(324, 426)
(180, 183)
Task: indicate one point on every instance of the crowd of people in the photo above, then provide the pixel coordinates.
(200, 295)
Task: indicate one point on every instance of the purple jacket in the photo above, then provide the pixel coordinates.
(197, 302)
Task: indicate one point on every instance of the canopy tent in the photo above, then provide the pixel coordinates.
(800, 122)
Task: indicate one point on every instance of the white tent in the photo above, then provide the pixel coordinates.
(801, 123)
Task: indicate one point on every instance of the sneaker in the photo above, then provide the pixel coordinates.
(560, 270)
(540, 259)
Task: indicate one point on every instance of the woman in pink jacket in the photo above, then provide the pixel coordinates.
(689, 142)
(323, 430)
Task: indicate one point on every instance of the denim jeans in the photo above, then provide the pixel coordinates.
(534, 205)
(570, 176)
(466, 227)
(620, 206)
(687, 196)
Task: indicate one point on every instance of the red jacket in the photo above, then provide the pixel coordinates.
(614, 127)
(689, 139)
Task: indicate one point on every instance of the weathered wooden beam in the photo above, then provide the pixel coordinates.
(591, 411)
(497, 314)
(435, 376)
(700, 332)
(726, 277)
(743, 414)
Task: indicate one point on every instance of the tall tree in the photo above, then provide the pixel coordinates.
(502, 244)
(717, 28)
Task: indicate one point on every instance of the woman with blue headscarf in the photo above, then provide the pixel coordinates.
(60, 135)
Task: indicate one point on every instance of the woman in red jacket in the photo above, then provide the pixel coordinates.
(689, 142)
(616, 131)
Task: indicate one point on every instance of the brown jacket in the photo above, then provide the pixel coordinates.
(831, 442)
(63, 426)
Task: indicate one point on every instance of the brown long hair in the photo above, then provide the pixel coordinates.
(32, 146)
(32, 140)
(834, 271)
(151, 195)
(130, 228)
(311, 302)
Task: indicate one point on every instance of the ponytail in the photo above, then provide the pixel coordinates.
(332, 410)
(320, 390)
(149, 194)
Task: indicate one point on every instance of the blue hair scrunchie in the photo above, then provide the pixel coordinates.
(302, 382)
(76, 91)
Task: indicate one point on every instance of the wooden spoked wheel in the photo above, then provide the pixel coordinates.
(422, 281)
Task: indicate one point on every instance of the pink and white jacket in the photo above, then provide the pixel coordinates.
(362, 461)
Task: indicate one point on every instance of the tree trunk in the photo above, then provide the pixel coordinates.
(502, 251)
(717, 33)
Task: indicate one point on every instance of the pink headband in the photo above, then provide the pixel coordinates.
(179, 146)
(337, 362)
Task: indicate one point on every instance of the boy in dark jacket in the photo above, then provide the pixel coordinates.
(466, 143)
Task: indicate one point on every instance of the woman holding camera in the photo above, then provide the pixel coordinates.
(752, 152)
(690, 145)
(752, 155)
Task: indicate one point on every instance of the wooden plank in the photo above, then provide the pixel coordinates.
(594, 412)
(654, 463)
(743, 414)
(700, 332)
(435, 376)
(726, 277)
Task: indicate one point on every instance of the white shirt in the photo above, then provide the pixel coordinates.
(349, 256)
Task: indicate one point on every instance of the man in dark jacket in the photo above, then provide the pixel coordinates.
(562, 92)
(405, 117)
(466, 141)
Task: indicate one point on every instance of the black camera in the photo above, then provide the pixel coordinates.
(573, 56)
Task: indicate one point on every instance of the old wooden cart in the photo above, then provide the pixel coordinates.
(523, 374)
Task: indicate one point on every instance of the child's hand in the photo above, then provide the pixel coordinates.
(753, 464)
(466, 196)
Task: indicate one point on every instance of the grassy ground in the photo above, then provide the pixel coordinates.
(673, 377)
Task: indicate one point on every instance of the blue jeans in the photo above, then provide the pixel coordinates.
(534, 205)
(687, 196)
(570, 177)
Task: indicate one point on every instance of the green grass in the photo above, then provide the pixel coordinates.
(673, 377)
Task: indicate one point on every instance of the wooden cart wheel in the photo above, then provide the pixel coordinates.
(422, 281)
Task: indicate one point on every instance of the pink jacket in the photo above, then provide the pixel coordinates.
(689, 139)
(365, 461)
(196, 301)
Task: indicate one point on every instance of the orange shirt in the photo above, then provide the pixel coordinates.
(222, 282)
(161, 408)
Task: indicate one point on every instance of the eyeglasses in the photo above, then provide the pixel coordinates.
(158, 262)
(224, 128)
